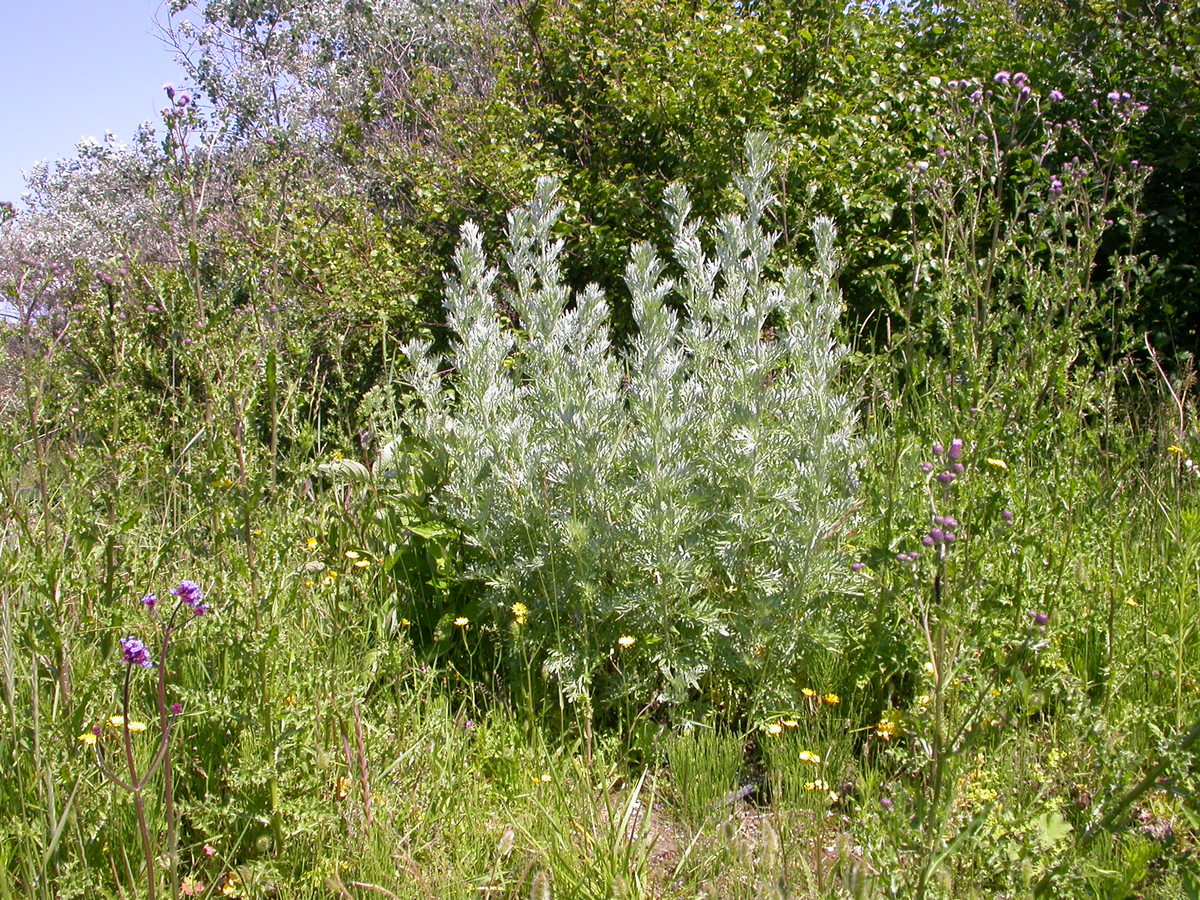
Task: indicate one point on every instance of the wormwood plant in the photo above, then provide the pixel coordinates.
(658, 525)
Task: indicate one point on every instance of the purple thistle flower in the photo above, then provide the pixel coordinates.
(946, 477)
(927, 467)
(1056, 96)
(976, 95)
(951, 537)
(1114, 97)
(938, 449)
(958, 468)
(857, 566)
(1040, 619)
(170, 89)
(886, 803)
(936, 534)
(150, 601)
(1020, 79)
(135, 653)
(1007, 516)
(1003, 78)
(176, 708)
(928, 541)
(1056, 186)
(956, 450)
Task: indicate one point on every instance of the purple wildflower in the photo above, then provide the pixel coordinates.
(926, 467)
(938, 449)
(946, 477)
(170, 89)
(184, 100)
(1114, 97)
(135, 653)
(955, 451)
(189, 592)
(928, 541)
(1040, 619)
(176, 708)
(976, 95)
(150, 601)
(886, 803)
(1007, 516)
(936, 534)
(1056, 186)
(958, 468)
(857, 566)
(1003, 78)
(1056, 96)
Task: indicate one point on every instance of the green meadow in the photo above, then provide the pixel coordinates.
(612, 449)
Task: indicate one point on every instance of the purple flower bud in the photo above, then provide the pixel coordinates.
(976, 95)
(928, 541)
(184, 100)
(150, 601)
(1003, 78)
(857, 566)
(953, 85)
(1056, 96)
(1020, 78)
(1039, 618)
(170, 89)
(1113, 97)
(176, 708)
(1133, 164)
(1056, 186)
(949, 522)
(951, 537)
(955, 451)
(937, 535)
(946, 477)
(938, 449)
(135, 653)
(1007, 516)
(886, 803)
(958, 468)
(927, 467)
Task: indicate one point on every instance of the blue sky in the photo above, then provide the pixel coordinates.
(75, 68)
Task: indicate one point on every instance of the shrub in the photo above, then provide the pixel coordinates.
(661, 524)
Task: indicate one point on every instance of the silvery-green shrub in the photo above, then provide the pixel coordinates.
(687, 492)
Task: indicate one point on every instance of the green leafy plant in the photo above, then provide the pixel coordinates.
(668, 517)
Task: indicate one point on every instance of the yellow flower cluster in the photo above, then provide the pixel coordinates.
(831, 699)
(520, 613)
(889, 725)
